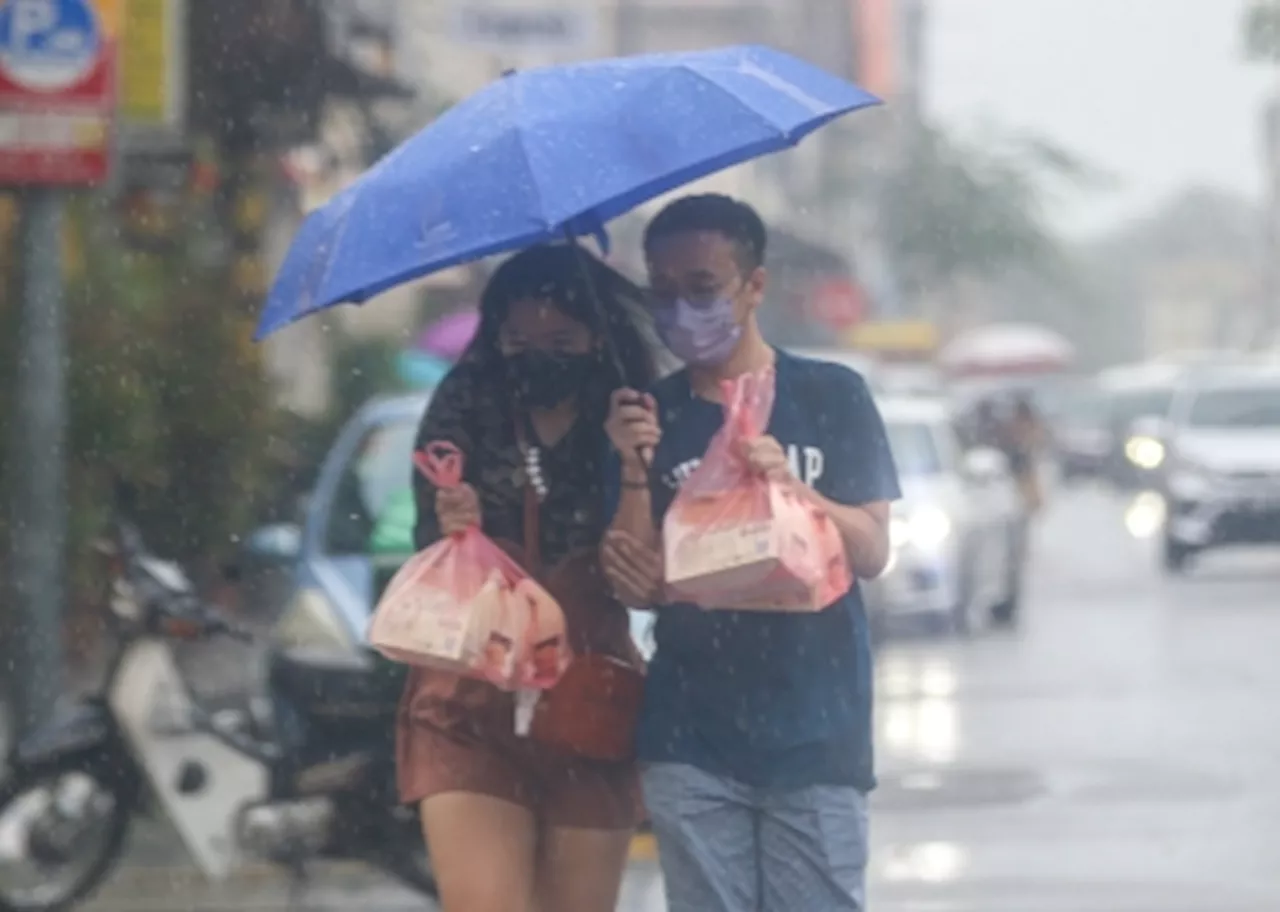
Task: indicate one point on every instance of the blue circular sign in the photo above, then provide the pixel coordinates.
(48, 45)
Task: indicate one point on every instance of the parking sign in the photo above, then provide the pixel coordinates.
(57, 62)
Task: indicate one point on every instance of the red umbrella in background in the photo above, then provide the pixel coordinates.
(1007, 348)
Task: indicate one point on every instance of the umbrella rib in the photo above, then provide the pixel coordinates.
(725, 160)
(766, 108)
(778, 131)
(524, 153)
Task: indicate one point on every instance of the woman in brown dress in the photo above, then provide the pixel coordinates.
(513, 825)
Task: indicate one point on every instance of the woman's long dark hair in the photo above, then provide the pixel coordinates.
(555, 272)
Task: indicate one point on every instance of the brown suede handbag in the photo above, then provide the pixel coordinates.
(592, 711)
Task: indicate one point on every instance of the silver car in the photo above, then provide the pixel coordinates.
(1221, 476)
(957, 533)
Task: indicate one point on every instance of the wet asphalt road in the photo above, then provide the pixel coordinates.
(1118, 753)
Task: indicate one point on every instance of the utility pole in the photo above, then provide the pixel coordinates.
(38, 479)
(884, 32)
(1261, 34)
(56, 102)
(1268, 317)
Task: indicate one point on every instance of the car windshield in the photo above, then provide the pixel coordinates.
(915, 448)
(1236, 407)
(384, 464)
(1129, 405)
(1076, 406)
(372, 506)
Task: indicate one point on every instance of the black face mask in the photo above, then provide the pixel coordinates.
(544, 380)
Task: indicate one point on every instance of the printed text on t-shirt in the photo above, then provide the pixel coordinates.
(807, 463)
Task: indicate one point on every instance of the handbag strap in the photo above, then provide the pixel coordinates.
(532, 524)
(532, 530)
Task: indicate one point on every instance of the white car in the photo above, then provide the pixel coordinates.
(958, 532)
(1221, 476)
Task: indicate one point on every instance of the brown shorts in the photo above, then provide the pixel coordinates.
(446, 744)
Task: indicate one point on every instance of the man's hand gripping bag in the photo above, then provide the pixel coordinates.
(463, 606)
(733, 539)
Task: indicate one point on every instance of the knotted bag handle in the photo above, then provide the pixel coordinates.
(741, 396)
(441, 463)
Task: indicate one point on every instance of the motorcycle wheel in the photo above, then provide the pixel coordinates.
(57, 838)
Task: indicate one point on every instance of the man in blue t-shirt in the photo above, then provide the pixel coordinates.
(755, 736)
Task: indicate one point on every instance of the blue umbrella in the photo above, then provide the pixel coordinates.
(548, 153)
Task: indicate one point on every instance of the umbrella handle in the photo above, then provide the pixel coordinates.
(610, 344)
(645, 453)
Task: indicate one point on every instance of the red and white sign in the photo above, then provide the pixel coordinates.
(837, 303)
(57, 91)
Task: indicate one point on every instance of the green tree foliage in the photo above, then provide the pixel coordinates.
(166, 389)
(974, 209)
(1261, 31)
(362, 369)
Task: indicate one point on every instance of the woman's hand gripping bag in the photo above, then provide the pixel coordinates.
(463, 605)
(733, 539)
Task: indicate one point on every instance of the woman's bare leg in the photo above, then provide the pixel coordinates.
(581, 870)
(483, 852)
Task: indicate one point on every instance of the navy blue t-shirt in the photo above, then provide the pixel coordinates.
(771, 699)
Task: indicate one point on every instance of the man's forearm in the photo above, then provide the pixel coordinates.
(865, 533)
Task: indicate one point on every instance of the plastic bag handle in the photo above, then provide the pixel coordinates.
(441, 463)
(738, 395)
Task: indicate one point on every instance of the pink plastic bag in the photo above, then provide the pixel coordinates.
(464, 606)
(732, 539)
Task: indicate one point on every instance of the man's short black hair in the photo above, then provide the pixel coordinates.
(713, 212)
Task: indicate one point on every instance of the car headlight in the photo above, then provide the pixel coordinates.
(930, 527)
(899, 532)
(1144, 452)
(926, 527)
(310, 631)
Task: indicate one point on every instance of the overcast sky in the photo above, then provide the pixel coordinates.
(1152, 91)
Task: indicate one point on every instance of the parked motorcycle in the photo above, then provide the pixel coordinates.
(307, 774)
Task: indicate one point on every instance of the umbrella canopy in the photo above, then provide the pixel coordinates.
(1007, 348)
(546, 153)
(449, 336)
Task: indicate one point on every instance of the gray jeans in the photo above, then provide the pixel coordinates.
(728, 847)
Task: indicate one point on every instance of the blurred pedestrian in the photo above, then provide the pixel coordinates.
(756, 730)
(512, 824)
(985, 427)
(1026, 436)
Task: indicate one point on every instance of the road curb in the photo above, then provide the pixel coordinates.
(644, 847)
(133, 878)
